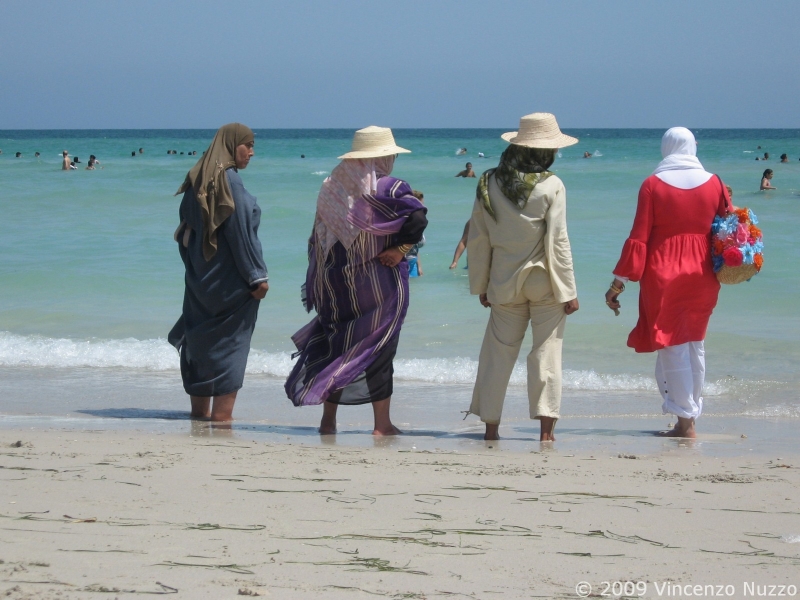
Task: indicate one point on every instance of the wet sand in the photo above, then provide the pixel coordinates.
(607, 423)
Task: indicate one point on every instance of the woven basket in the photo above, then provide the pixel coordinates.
(733, 275)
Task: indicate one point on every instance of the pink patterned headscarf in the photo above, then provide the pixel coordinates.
(350, 180)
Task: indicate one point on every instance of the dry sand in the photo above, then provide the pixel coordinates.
(118, 514)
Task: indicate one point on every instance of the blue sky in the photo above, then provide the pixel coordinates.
(433, 63)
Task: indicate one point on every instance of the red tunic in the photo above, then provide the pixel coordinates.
(669, 251)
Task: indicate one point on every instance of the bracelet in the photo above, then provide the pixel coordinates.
(404, 248)
(615, 289)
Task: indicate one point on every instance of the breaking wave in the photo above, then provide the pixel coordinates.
(158, 355)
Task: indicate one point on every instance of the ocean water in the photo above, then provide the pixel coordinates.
(91, 280)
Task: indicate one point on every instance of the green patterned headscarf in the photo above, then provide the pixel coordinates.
(520, 169)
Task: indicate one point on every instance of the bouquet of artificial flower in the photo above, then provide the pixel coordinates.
(737, 248)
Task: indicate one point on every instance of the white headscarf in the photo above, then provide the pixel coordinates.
(680, 167)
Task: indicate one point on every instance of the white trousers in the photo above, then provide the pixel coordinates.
(680, 374)
(505, 331)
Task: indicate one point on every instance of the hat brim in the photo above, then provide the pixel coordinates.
(375, 152)
(560, 141)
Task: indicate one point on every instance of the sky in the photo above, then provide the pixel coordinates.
(95, 64)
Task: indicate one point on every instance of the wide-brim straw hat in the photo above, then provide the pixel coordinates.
(373, 142)
(539, 130)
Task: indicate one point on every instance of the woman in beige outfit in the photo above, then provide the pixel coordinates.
(520, 264)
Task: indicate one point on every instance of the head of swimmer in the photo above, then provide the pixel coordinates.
(243, 154)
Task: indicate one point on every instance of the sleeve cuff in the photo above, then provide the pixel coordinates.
(478, 289)
(633, 259)
(261, 279)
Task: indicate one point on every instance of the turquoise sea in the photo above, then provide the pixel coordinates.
(91, 280)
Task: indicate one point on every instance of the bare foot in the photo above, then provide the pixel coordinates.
(669, 432)
(221, 418)
(383, 422)
(390, 430)
(222, 408)
(678, 432)
(548, 426)
(327, 426)
(684, 429)
(492, 432)
(201, 407)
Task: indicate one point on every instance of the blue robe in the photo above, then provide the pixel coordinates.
(219, 314)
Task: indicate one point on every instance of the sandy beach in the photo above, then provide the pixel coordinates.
(118, 514)
(549, 172)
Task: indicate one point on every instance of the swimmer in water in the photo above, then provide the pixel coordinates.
(766, 178)
(461, 151)
(587, 155)
(65, 161)
(461, 246)
(467, 172)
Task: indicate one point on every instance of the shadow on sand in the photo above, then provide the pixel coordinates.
(137, 413)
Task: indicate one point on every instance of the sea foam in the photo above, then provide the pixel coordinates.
(158, 355)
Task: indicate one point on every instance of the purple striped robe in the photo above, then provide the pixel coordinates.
(360, 303)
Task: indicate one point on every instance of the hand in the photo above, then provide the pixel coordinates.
(260, 291)
(391, 257)
(484, 301)
(571, 306)
(612, 301)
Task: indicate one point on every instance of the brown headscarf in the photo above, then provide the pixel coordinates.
(210, 184)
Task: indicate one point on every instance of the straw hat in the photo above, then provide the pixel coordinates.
(539, 130)
(372, 142)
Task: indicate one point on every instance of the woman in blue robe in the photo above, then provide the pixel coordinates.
(225, 274)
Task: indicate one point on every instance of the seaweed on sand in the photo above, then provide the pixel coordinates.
(233, 568)
(366, 564)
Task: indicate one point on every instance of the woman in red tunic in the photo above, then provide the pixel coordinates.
(669, 253)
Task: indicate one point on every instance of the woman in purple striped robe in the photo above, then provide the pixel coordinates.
(357, 281)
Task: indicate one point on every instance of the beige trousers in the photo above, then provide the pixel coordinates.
(505, 331)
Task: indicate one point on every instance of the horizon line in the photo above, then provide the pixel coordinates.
(352, 128)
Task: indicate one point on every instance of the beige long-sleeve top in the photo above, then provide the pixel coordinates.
(502, 253)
